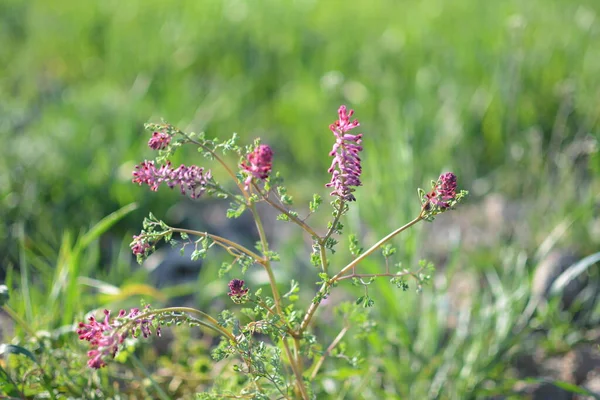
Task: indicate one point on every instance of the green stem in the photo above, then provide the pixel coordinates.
(335, 342)
(214, 324)
(285, 327)
(323, 253)
(334, 223)
(296, 370)
(375, 247)
(204, 315)
(277, 299)
(297, 349)
(323, 240)
(227, 193)
(220, 239)
(220, 160)
(139, 365)
(20, 321)
(390, 274)
(314, 306)
(293, 218)
(265, 261)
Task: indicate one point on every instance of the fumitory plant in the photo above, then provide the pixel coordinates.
(277, 350)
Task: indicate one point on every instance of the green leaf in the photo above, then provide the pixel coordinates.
(6, 349)
(104, 225)
(283, 217)
(315, 203)
(324, 277)
(569, 387)
(236, 210)
(388, 250)
(573, 272)
(197, 254)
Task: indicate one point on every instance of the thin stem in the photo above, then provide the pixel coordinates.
(400, 274)
(375, 247)
(273, 283)
(214, 324)
(262, 304)
(293, 218)
(273, 381)
(323, 240)
(265, 261)
(296, 370)
(139, 365)
(311, 310)
(335, 342)
(323, 253)
(314, 306)
(220, 160)
(220, 239)
(226, 192)
(334, 223)
(17, 318)
(265, 306)
(297, 349)
(277, 299)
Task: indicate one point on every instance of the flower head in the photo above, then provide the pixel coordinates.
(159, 140)
(192, 179)
(237, 291)
(139, 246)
(258, 164)
(106, 336)
(345, 168)
(443, 191)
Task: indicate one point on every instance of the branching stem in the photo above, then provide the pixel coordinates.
(337, 277)
(222, 240)
(335, 342)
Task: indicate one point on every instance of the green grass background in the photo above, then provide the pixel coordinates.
(502, 93)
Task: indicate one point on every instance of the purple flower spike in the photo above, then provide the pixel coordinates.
(159, 140)
(105, 337)
(192, 179)
(103, 343)
(258, 164)
(447, 186)
(444, 191)
(345, 168)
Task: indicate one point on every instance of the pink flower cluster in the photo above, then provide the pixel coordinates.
(444, 191)
(139, 246)
(106, 336)
(159, 140)
(192, 179)
(237, 291)
(258, 164)
(345, 168)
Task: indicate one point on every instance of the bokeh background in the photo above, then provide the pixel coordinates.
(506, 94)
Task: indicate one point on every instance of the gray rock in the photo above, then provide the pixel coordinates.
(592, 384)
(579, 363)
(549, 269)
(6, 327)
(541, 391)
(168, 266)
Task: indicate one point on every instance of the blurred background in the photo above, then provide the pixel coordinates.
(505, 94)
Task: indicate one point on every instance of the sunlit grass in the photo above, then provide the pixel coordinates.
(504, 94)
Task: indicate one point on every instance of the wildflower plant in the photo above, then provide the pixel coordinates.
(285, 360)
